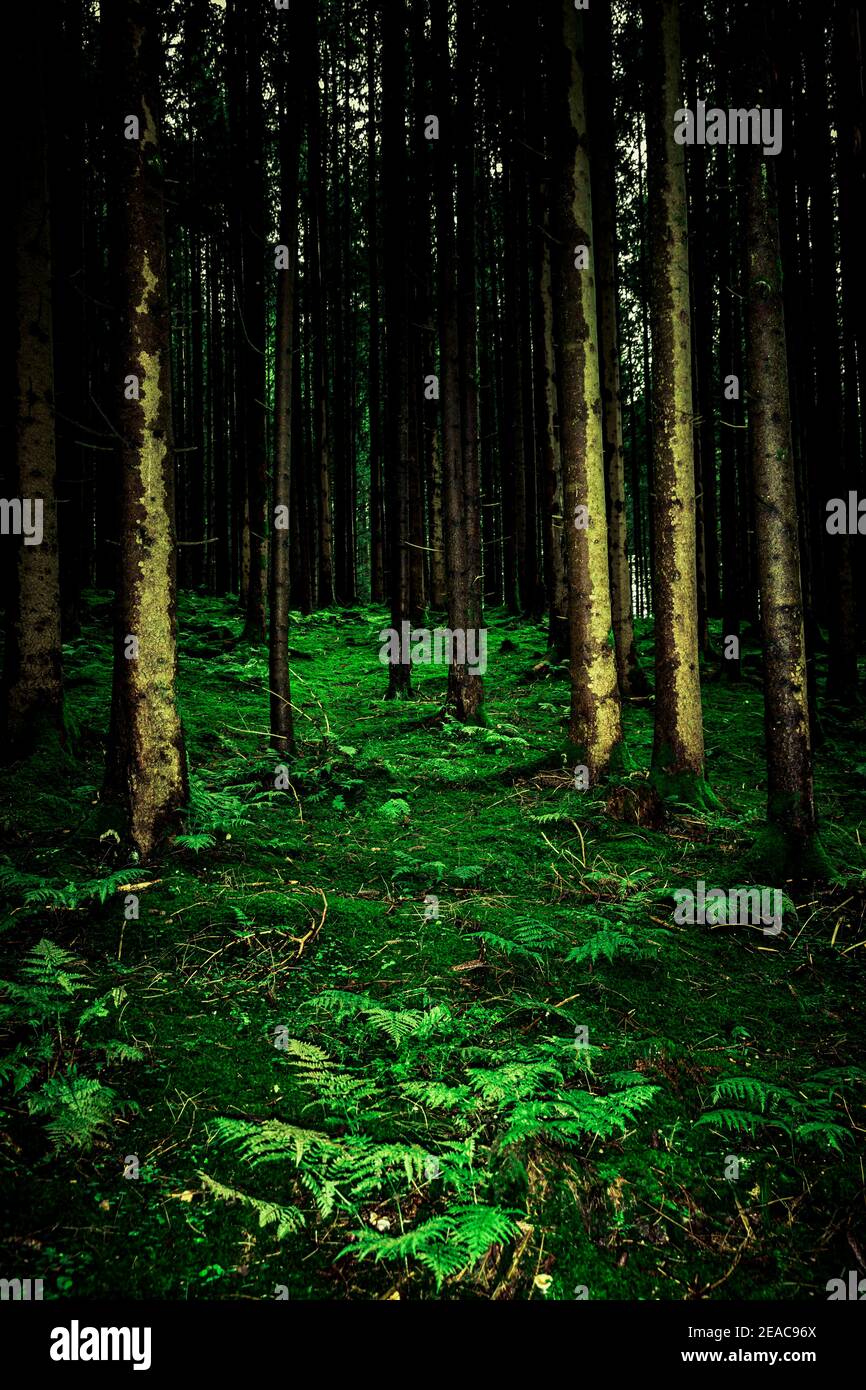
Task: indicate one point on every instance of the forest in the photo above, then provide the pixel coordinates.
(431, 790)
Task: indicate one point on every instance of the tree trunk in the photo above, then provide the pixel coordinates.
(790, 807)
(595, 726)
(146, 759)
(678, 746)
(396, 327)
(282, 725)
(632, 680)
(374, 408)
(32, 677)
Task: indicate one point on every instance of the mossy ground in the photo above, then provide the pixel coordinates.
(323, 886)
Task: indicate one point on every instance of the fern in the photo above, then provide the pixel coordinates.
(577, 1114)
(398, 1106)
(805, 1118)
(288, 1220)
(47, 1000)
(736, 1121)
(196, 842)
(445, 1245)
(79, 1108)
(608, 944)
(751, 1091)
(214, 812)
(516, 1081)
(524, 938)
(24, 1063)
(71, 896)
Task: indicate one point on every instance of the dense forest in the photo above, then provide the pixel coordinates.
(431, 803)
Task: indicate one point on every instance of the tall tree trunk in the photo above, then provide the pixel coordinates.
(544, 360)
(678, 745)
(374, 351)
(319, 331)
(146, 759)
(465, 690)
(282, 725)
(396, 288)
(632, 680)
(595, 726)
(32, 677)
(247, 124)
(67, 174)
(841, 611)
(851, 126)
(790, 807)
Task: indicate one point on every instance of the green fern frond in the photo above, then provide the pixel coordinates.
(752, 1091)
(823, 1132)
(741, 1121)
(445, 1245)
(49, 966)
(25, 1062)
(577, 1114)
(515, 1081)
(609, 944)
(196, 842)
(79, 1106)
(435, 1095)
(288, 1220)
(118, 1051)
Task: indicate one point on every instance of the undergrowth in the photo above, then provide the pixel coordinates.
(410, 1015)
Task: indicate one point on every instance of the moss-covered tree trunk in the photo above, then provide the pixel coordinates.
(595, 726)
(32, 679)
(632, 680)
(790, 807)
(678, 746)
(146, 759)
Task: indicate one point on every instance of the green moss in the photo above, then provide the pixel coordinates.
(313, 891)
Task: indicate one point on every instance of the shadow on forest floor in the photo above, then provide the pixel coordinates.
(415, 1018)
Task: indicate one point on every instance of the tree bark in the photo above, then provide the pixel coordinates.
(678, 745)
(146, 758)
(632, 680)
(790, 806)
(32, 676)
(282, 724)
(595, 726)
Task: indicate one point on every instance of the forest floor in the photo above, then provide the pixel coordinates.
(421, 1023)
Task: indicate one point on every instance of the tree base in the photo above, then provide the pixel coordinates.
(686, 788)
(779, 854)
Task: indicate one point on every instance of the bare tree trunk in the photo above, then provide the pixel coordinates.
(32, 677)
(678, 747)
(790, 808)
(632, 680)
(595, 726)
(282, 725)
(146, 758)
